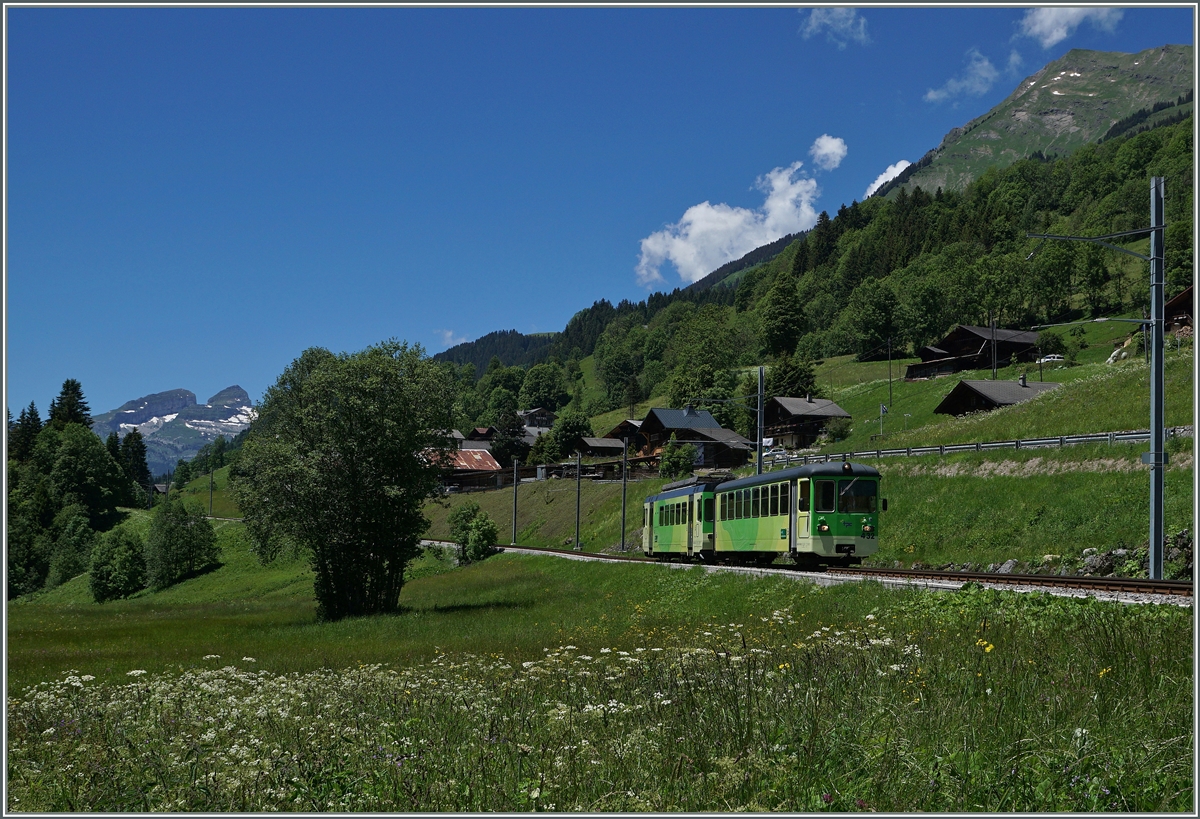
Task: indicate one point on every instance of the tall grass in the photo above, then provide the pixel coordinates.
(691, 692)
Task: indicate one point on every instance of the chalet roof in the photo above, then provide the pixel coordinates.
(1179, 304)
(629, 425)
(985, 333)
(602, 443)
(819, 407)
(474, 459)
(688, 418)
(1000, 393)
(725, 436)
(537, 410)
(481, 434)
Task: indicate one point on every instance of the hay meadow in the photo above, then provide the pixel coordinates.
(526, 683)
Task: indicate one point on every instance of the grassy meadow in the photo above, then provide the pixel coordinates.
(533, 683)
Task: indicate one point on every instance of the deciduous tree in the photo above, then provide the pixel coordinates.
(343, 455)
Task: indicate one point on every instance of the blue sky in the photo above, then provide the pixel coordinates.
(196, 195)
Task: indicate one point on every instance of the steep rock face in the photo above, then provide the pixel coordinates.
(1065, 105)
(175, 426)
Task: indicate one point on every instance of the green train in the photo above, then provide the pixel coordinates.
(819, 513)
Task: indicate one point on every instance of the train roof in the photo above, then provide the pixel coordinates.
(689, 488)
(833, 469)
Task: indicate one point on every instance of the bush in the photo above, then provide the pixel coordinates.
(676, 460)
(837, 428)
(73, 540)
(181, 542)
(482, 537)
(118, 567)
(460, 520)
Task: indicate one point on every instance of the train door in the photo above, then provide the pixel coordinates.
(648, 527)
(803, 505)
(693, 520)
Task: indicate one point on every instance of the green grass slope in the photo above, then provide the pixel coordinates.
(1094, 397)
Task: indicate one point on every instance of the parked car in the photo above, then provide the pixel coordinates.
(1051, 359)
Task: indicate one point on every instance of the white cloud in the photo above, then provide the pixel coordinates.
(449, 339)
(828, 152)
(841, 25)
(975, 80)
(1014, 62)
(708, 236)
(1051, 26)
(890, 173)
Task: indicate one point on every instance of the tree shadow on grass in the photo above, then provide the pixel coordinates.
(453, 608)
(203, 570)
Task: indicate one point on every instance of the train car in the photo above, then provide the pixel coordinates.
(678, 522)
(819, 513)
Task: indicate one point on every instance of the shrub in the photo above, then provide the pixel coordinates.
(181, 542)
(676, 460)
(460, 520)
(837, 428)
(118, 567)
(73, 540)
(482, 536)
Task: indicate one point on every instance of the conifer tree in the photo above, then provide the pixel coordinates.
(23, 434)
(133, 459)
(70, 407)
(781, 315)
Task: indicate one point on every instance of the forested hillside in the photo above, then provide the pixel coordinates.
(906, 269)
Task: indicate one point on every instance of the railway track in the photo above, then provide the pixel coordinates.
(1117, 588)
(1117, 585)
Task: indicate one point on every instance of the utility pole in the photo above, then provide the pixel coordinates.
(516, 483)
(1156, 458)
(210, 489)
(578, 489)
(760, 420)
(992, 325)
(889, 371)
(1157, 454)
(624, 472)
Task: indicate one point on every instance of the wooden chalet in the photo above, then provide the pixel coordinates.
(631, 429)
(537, 418)
(984, 396)
(797, 422)
(1178, 313)
(971, 348)
(600, 447)
(715, 446)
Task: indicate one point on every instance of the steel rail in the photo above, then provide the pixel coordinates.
(1127, 585)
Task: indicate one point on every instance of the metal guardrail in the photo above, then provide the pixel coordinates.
(1109, 438)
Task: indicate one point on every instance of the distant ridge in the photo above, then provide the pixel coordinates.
(1071, 102)
(513, 348)
(756, 256)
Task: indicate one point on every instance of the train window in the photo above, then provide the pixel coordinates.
(857, 496)
(708, 509)
(784, 499)
(755, 495)
(802, 495)
(721, 507)
(774, 499)
(826, 496)
(744, 507)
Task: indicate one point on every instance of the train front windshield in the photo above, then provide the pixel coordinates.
(857, 496)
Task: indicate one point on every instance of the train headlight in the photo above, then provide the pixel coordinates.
(822, 527)
(868, 529)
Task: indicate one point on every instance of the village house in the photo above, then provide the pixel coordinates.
(973, 348)
(976, 396)
(796, 423)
